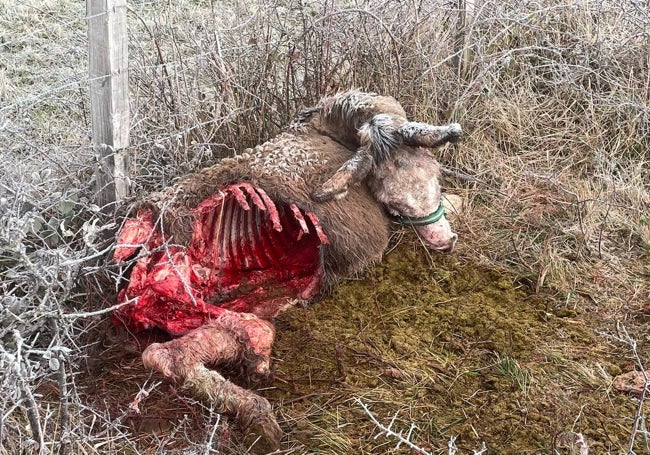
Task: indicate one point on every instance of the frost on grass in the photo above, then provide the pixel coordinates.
(554, 166)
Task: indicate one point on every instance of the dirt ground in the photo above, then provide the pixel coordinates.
(434, 341)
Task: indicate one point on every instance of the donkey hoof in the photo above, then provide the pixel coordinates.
(263, 435)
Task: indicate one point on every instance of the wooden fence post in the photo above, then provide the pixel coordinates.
(109, 96)
(463, 58)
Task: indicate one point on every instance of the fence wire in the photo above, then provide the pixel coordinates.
(556, 93)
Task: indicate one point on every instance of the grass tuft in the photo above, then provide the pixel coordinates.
(554, 239)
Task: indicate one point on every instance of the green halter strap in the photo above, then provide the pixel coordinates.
(425, 220)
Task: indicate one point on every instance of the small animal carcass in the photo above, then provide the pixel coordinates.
(215, 257)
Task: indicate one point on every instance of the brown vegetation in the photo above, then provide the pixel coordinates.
(515, 340)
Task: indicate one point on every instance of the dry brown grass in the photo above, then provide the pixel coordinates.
(554, 102)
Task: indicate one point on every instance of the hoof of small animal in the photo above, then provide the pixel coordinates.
(263, 435)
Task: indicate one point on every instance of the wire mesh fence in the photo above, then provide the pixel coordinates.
(554, 95)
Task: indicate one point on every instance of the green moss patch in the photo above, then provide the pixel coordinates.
(452, 347)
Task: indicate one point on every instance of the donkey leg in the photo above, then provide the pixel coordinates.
(253, 412)
(234, 338)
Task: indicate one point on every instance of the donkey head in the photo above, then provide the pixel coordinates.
(400, 173)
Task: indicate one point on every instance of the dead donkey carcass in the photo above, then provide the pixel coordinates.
(219, 254)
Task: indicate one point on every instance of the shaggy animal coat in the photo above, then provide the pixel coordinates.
(288, 168)
(232, 245)
(353, 231)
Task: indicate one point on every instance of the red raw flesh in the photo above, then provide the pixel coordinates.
(246, 254)
(135, 233)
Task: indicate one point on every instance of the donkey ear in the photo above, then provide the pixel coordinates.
(352, 171)
(425, 135)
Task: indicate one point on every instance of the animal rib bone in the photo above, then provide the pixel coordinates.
(301, 220)
(244, 249)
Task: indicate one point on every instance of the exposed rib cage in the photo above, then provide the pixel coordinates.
(242, 229)
(246, 254)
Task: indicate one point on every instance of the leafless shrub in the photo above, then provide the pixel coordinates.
(554, 100)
